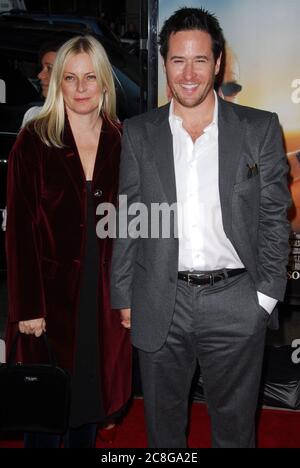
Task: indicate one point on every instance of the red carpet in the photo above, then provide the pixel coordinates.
(276, 429)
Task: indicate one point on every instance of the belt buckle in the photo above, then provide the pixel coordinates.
(197, 275)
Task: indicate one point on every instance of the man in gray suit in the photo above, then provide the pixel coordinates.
(206, 291)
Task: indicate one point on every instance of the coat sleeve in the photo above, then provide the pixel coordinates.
(23, 242)
(125, 246)
(274, 229)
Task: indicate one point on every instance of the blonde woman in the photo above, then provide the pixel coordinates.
(64, 163)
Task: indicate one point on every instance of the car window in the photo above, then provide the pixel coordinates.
(16, 75)
(17, 89)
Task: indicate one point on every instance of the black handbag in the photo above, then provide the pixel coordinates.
(34, 398)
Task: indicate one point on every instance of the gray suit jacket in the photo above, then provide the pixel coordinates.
(144, 271)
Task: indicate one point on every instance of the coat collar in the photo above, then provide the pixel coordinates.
(109, 137)
(231, 134)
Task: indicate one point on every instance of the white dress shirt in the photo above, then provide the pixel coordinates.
(31, 113)
(203, 244)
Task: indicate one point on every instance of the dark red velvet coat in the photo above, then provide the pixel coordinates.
(45, 246)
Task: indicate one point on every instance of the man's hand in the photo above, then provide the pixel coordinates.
(33, 327)
(126, 318)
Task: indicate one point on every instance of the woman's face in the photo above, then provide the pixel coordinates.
(45, 73)
(80, 89)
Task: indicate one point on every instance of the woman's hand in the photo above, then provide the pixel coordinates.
(33, 327)
(126, 318)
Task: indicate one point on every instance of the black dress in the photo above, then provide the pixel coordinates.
(86, 403)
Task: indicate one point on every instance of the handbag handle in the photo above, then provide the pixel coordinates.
(13, 352)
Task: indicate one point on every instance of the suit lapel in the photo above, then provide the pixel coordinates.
(161, 141)
(231, 131)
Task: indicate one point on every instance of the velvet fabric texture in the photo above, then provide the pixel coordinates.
(45, 242)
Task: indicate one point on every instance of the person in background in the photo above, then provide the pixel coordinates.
(63, 164)
(131, 33)
(47, 57)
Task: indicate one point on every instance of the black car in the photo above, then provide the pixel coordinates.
(20, 41)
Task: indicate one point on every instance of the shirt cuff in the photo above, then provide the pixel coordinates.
(268, 303)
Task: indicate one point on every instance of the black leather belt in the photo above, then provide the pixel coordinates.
(209, 277)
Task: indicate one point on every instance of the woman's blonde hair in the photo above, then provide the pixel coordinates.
(50, 122)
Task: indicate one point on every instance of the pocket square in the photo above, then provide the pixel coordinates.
(252, 170)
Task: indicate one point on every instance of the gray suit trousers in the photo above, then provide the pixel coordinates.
(222, 327)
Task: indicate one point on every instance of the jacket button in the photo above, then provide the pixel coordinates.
(98, 193)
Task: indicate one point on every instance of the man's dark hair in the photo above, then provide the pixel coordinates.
(52, 46)
(187, 19)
